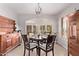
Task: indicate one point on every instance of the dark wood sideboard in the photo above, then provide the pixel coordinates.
(9, 38)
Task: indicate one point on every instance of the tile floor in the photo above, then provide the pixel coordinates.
(59, 51)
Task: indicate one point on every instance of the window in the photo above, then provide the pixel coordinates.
(34, 29)
(42, 29)
(29, 29)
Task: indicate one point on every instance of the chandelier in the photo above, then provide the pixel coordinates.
(38, 9)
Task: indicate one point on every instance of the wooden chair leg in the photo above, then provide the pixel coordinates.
(39, 51)
(24, 51)
(46, 53)
(53, 52)
(29, 53)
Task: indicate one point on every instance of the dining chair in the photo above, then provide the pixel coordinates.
(27, 45)
(49, 45)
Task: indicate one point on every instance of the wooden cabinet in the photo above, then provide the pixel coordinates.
(73, 41)
(9, 38)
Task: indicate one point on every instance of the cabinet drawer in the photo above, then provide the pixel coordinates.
(74, 49)
(8, 43)
(73, 52)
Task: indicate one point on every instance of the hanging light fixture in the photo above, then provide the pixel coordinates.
(38, 9)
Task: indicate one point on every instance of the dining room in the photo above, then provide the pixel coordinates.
(36, 29)
(37, 26)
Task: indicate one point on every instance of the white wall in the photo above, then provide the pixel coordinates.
(5, 11)
(63, 41)
(43, 19)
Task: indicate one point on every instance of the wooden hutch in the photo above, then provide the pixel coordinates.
(73, 39)
(9, 38)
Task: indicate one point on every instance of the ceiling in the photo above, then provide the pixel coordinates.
(29, 8)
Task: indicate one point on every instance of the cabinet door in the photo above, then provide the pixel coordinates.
(14, 40)
(3, 44)
(8, 41)
(17, 38)
(78, 30)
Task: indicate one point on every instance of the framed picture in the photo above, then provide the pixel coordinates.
(49, 29)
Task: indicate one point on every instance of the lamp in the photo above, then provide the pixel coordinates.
(38, 9)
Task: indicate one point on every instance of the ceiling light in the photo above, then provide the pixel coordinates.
(38, 9)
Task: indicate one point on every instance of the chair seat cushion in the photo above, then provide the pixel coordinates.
(43, 47)
(32, 45)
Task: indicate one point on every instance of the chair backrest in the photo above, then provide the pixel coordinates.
(50, 41)
(25, 39)
(54, 37)
(51, 38)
